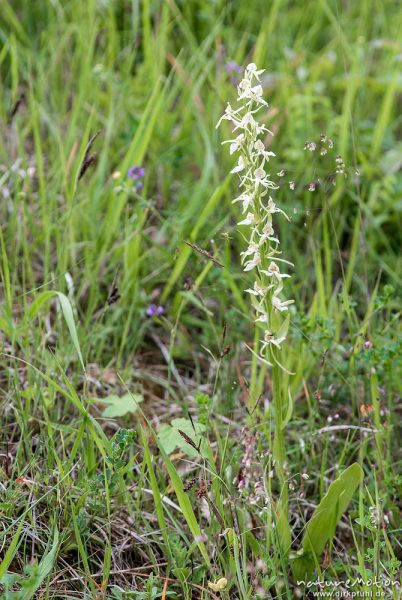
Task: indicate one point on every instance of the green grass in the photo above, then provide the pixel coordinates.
(96, 507)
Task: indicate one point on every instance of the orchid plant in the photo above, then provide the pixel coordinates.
(264, 260)
(262, 256)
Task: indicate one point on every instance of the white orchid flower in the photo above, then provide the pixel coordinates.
(245, 199)
(253, 248)
(273, 271)
(240, 166)
(281, 306)
(229, 115)
(257, 290)
(254, 262)
(249, 220)
(251, 70)
(269, 339)
(235, 144)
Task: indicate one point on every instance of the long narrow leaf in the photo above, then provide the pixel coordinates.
(183, 499)
(67, 313)
(69, 317)
(44, 568)
(11, 550)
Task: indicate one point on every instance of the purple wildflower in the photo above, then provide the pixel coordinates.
(136, 172)
(153, 310)
(233, 67)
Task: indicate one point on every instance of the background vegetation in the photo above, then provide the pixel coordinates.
(91, 506)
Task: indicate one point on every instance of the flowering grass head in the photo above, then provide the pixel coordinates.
(262, 256)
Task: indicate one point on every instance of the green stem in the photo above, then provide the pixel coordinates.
(279, 451)
(279, 454)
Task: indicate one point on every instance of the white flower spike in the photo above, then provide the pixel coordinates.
(262, 254)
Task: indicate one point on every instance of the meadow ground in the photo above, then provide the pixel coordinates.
(137, 452)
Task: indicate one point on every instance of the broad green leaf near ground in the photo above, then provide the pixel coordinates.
(322, 525)
(118, 406)
(170, 438)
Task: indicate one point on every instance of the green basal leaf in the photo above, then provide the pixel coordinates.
(321, 527)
